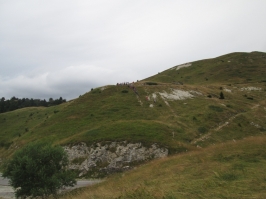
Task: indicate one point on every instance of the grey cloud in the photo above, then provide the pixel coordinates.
(68, 82)
(52, 48)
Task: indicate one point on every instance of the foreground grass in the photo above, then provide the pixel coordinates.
(230, 170)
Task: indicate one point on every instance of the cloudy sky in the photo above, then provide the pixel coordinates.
(53, 48)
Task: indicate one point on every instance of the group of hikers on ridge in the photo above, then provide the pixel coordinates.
(130, 85)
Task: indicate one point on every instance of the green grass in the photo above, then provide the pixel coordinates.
(232, 68)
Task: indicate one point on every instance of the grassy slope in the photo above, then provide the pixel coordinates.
(232, 68)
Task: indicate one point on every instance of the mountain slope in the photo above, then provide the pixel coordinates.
(232, 68)
(178, 109)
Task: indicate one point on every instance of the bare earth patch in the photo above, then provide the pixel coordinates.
(250, 88)
(177, 95)
(228, 90)
(181, 66)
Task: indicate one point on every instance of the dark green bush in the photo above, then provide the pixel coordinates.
(221, 95)
(202, 129)
(38, 170)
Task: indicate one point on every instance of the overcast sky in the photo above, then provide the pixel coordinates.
(53, 48)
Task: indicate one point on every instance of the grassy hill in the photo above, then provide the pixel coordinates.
(222, 141)
(234, 68)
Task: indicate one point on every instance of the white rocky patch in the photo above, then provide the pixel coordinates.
(256, 125)
(250, 88)
(154, 96)
(151, 105)
(166, 103)
(183, 66)
(227, 90)
(115, 156)
(103, 88)
(176, 95)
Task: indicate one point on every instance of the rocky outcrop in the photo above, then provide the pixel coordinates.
(110, 157)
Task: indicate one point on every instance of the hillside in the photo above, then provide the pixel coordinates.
(233, 68)
(231, 170)
(211, 113)
(177, 109)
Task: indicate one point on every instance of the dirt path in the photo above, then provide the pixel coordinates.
(7, 192)
(206, 136)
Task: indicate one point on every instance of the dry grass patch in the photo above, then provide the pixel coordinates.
(231, 170)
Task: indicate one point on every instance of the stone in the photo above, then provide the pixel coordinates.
(112, 157)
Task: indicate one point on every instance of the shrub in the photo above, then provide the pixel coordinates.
(202, 129)
(221, 95)
(38, 170)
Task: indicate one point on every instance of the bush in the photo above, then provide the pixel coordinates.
(202, 129)
(221, 95)
(124, 91)
(38, 170)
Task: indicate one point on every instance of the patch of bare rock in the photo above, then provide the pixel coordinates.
(110, 157)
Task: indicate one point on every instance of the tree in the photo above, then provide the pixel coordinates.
(39, 169)
(221, 95)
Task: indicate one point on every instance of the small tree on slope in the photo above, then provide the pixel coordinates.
(221, 95)
(39, 169)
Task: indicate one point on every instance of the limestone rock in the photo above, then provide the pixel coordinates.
(112, 157)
